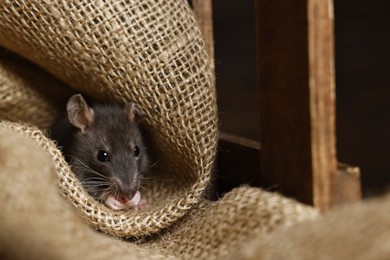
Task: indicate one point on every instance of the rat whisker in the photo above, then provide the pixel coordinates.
(96, 178)
(88, 168)
(103, 196)
(142, 187)
(143, 178)
(116, 191)
(92, 182)
(97, 173)
(107, 192)
(152, 165)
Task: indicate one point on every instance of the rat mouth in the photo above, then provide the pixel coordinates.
(121, 202)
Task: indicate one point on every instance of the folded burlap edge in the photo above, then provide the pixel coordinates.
(116, 223)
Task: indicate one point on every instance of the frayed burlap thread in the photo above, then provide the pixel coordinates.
(148, 52)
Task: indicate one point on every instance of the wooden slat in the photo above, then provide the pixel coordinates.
(283, 73)
(322, 102)
(297, 99)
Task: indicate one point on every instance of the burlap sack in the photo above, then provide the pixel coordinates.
(247, 223)
(144, 51)
(150, 53)
(37, 223)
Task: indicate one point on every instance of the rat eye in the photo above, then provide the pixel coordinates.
(136, 151)
(103, 156)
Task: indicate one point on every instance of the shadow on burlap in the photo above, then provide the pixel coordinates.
(142, 51)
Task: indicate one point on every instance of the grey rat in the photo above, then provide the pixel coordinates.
(105, 147)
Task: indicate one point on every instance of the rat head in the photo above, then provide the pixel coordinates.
(108, 153)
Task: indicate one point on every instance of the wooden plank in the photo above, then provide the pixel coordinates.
(297, 98)
(331, 187)
(283, 73)
(322, 102)
(240, 141)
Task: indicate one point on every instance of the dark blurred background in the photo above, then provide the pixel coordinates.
(362, 42)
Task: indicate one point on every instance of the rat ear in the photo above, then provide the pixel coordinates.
(79, 113)
(133, 112)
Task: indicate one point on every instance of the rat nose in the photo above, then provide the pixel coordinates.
(122, 199)
(124, 189)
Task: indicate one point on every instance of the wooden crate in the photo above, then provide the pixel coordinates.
(296, 81)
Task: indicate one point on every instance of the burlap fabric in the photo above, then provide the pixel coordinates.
(150, 52)
(37, 223)
(360, 231)
(143, 51)
(247, 223)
